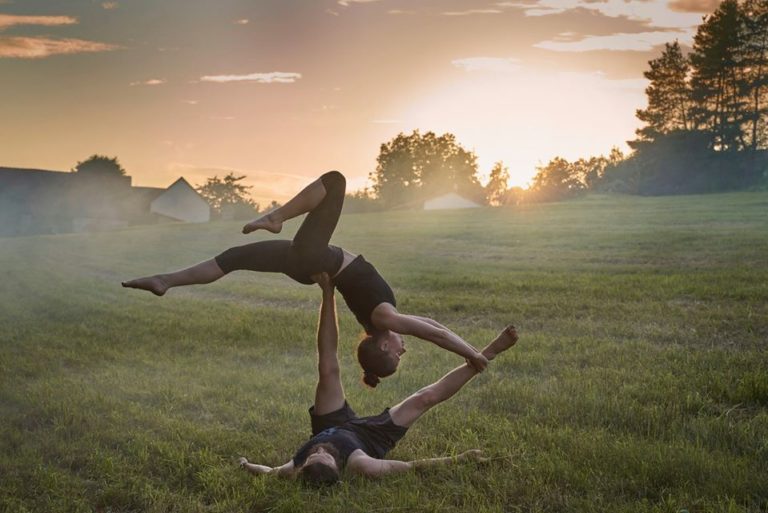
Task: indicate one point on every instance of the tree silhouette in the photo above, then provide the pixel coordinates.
(669, 94)
(707, 117)
(559, 179)
(227, 192)
(754, 25)
(717, 78)
(414, 166)
(99, 165)
(496, 189)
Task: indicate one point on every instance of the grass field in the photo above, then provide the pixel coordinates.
(640, 382)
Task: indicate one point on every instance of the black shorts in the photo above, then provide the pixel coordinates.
(308, 253)
(378, 434)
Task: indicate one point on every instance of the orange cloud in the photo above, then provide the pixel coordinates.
(637, 42)
(694, 5)
(39, 47)
(279, 77)
(9, 20)
(469, 12)
(109, 5)
(347, 3)
(150, 82)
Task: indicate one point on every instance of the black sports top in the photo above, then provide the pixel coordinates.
(375, 435)
(363, 289)
(345, 441)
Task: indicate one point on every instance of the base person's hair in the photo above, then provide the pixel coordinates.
(320, 474)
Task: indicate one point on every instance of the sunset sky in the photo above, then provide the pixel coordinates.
(283, 90)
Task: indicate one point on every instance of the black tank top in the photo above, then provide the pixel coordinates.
(363, 289)
(346, 442)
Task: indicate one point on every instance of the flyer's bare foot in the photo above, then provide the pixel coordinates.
(506, 339)
(154, 284)
(264, 223)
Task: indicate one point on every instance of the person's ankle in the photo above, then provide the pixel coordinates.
(489, 355)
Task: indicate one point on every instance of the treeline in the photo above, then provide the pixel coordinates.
(706, 123)
(705, 130)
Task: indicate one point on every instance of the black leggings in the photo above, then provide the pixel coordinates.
(308, 253)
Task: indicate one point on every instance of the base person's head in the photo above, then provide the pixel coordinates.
(322, 466)
(379, 355)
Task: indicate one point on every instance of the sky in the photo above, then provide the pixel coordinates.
(283, 90)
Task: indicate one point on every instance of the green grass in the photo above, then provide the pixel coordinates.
(640, 382)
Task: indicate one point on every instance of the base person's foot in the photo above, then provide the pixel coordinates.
(154, 284)
(506, 339)
(264, 223)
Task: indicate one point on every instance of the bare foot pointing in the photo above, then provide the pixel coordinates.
(506, 339)
(266, 222)
(154, 284)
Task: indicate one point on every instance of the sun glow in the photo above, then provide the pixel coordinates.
(524, 118)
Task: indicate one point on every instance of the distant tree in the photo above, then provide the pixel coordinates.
(446, 166)
(227, 193)
(413, 166)
(496, 188)
(361, 201)
(514, 196)
(99, 165)
(669, 94)
(557, 180)
(717, 77)
(588, 172)
(707, 118)
(397, 170)
(754, 26)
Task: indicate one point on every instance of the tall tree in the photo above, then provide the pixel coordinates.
(496, 188)
(754, 26)
(717, 78)
(669, 97)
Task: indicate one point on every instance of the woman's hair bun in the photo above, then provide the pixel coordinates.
(370, 379)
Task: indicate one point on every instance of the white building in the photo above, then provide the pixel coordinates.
(181, 202)
(42, 201)
(449, 201)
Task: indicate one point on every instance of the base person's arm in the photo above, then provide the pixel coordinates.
(285, 470)
(372, 467)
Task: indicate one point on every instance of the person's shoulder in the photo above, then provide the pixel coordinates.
(358, 461)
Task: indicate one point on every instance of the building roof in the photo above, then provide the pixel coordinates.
(22, 176)
(450, 200)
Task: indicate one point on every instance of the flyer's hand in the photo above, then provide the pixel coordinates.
(478, 361)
